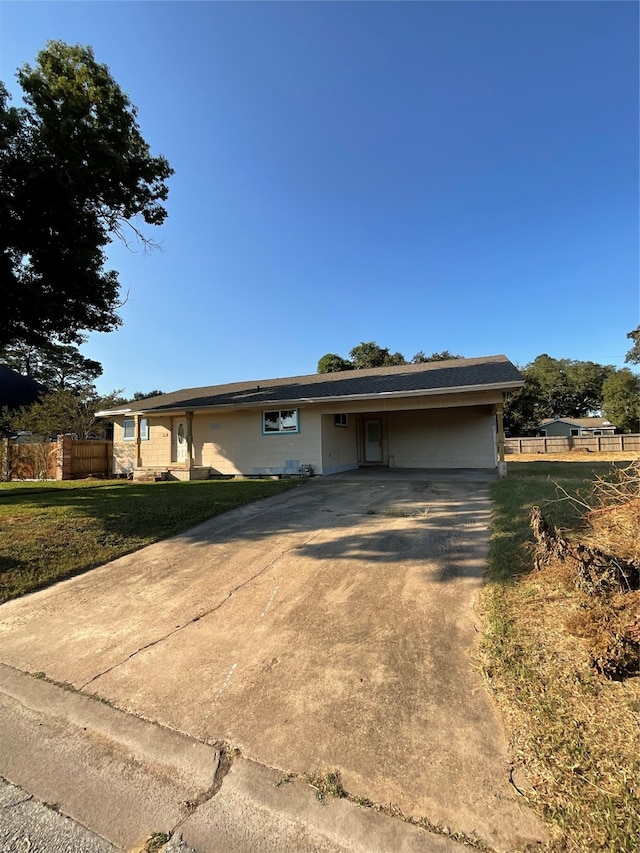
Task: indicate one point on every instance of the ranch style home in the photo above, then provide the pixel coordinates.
(445, 414)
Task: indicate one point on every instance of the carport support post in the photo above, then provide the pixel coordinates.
(502, 465)
(136, 420)
(189, 460)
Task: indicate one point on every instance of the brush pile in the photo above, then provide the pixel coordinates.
(604, 567)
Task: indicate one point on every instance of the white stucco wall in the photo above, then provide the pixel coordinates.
(442, 438)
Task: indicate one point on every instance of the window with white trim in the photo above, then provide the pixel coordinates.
(279, 421)
(574, 432)
(341, 420)
(129, 429)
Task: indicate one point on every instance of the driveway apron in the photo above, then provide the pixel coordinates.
(329, 628)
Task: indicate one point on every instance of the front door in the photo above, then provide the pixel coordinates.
(181, 441)
(373, 440)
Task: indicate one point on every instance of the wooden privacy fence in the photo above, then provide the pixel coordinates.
(563, 444)
(29, 461)
(64, 459)
(88, 458)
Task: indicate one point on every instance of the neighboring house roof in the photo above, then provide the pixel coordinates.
(585, 423)
(17, 390)
(465, 374)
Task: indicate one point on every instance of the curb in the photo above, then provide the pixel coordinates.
(120, 776)
(126, 779)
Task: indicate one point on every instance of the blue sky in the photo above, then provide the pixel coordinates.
(436, 175)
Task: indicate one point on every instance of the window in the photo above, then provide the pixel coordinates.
(574, 431)
(129, 429)
(341, 420)
(283, 420)
(597, 432)
(543, 433)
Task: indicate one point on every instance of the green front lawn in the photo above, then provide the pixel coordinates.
(52, 530)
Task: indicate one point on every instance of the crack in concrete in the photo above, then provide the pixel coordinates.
(230, 754)
(204, 613)
(227, 756)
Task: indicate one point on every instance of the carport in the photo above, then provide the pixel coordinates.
(456, 437)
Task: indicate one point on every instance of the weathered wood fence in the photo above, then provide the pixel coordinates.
(65, 459)
(562, 444)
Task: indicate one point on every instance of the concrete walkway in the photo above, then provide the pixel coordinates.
(326, 629)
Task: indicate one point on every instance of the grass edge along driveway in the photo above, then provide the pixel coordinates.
(54, 530)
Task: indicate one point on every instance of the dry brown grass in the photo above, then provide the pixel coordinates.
(610, 629)
(574, 456)
(578, 734)
(609, 622)
(574, 730)
(613, 512)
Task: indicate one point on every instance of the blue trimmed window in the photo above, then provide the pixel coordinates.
(129, 429)
(280, 421)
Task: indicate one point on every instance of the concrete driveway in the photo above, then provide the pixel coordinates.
(329, 628)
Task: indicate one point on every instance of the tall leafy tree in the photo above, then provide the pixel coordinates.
(56, 366)
(65, 411)
(633, 356)
(523, 410)
(568, 388)
(368, 354)
(332, 363)
(144, 395)
(445, 355)
(75, 173)
(621, 400)
(556, 388)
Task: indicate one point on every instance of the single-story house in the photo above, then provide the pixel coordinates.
(445, 414)
(571, 427)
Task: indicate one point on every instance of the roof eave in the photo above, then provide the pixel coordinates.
(107, 413)
(341, 398)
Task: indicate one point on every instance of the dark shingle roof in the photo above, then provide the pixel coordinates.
(432, 377)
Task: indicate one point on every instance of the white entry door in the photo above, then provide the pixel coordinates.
(373, 440)
(181, 441)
